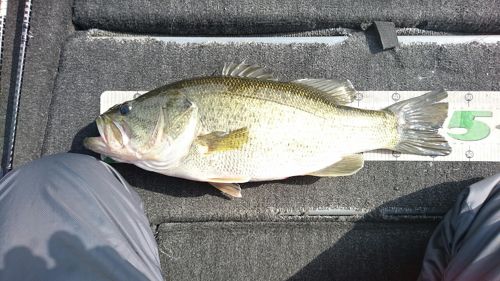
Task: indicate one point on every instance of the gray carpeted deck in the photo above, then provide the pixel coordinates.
(292, 251)
(266, 16)
(375, 224)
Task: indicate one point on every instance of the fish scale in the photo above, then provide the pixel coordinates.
(292, 129)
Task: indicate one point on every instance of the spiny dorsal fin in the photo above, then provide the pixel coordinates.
(247, 71)
(349, 165)
(339, 91)
(224, 141)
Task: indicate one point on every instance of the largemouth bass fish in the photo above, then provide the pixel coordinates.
(246, 126)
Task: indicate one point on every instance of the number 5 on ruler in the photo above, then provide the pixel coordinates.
(476, 130)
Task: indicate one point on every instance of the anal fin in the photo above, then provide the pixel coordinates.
(231, 190)
(349, 165)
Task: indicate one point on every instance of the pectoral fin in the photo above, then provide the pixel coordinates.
(231, 190)
(223, 141)
(349, 165)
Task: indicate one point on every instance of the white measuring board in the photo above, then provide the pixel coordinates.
(472, 127)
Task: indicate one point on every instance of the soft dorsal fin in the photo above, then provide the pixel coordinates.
(339, 91)
(247, 71)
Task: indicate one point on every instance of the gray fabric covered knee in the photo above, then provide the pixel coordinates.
(71, 216)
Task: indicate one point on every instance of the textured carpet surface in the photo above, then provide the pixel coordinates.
(49, 27)
(266, 16)
(7, 75)
(292, 251)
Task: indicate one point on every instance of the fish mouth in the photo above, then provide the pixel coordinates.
(112, 136)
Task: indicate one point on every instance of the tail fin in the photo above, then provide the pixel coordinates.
(419, 120)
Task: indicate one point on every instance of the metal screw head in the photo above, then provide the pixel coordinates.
(136, 95)
(396, 96)
(468, 97)
(359, 96)
(396, 154)
(469, 154)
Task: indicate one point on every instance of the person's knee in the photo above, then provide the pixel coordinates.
(48, 163)
(53, 170)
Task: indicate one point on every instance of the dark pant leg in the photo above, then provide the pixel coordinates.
(466, 244)
(72, 217)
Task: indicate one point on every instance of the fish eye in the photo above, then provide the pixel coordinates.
(125, 108)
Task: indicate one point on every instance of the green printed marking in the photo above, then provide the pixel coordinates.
(476, 130)
(108, 160)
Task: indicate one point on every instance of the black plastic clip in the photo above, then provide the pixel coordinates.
(387, 34)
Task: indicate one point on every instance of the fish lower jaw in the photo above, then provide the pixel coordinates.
(115, 150)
